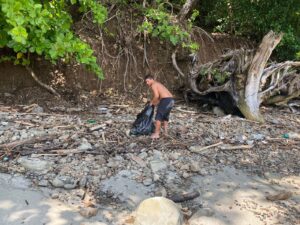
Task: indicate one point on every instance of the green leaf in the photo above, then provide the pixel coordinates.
(19, 34)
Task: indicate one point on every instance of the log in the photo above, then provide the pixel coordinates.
(15, 144)
(185, 196)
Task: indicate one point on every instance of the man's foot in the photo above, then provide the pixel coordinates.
(155, 136)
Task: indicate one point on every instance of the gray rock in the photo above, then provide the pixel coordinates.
(147, 181)
(37, 109)
(43, 183)
(113, 163)
(143, 155)
(34, 164)
(83, 181)
(158, 165)
(132, 145)
(157, 154)
(57, 182)
(158, 210)
(198, 216)
(195, 167)
(85, 145)
(218, 111)
(70, 186)
(257, 137)
(88, 212)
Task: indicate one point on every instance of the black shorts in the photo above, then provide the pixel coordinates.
(164, 108)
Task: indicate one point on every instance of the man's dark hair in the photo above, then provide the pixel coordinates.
(148, 77)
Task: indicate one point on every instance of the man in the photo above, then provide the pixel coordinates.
(163, 99)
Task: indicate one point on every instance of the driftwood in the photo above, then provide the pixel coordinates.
(185, 196)
(12, 145)
(206, 147)
(247, 77)
(280, 196)
(235, 147)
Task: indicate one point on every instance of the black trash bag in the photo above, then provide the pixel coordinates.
(143, 125)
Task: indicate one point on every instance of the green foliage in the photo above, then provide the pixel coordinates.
(26, 26)
(160, 23)
(254, 18)
(217, 76)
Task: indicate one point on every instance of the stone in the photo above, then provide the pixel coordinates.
(143, 155)
(157, 155)
(257, 137)
(158, 210)
(158, 165)
(85, 145)
(147, 181)
(35, 164)
(186, 175)
(198, 216)
(83, 181)
(88, 212)
(57, 182)
(195, 167)
(218, 111)
(70, 186)
(37, 109)
(112, 163)
(43, 183)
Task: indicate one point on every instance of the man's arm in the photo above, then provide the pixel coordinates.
(155, 99)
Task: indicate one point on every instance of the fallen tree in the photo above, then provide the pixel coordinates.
(248, 77)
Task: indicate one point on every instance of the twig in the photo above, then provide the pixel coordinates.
(235, 147)
(103, 138)
(206, 147)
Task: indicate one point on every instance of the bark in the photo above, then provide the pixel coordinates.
(186, 8)
(250, 102)
(249, 81)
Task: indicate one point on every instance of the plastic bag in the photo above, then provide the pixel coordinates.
(143, 125)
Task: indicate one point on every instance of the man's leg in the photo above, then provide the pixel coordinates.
(157, 129)
(165, 125)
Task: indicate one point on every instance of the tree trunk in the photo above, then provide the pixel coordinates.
(186, 8)
(250, 102)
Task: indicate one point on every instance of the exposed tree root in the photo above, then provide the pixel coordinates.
(244, 75)
(48, 88)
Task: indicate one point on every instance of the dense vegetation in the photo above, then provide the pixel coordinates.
(254, 18)
(45, 27)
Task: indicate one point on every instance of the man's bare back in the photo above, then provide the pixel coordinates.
(159, 92)
(163, 92)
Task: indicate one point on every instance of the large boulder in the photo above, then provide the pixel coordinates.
(158, 211)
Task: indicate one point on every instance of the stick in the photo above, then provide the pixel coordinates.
(236, 147)
(25, 123)
(185, 111)
(67, 151)
(206, 147)
(103, 138)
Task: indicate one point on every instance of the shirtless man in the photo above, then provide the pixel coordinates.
(163, 99)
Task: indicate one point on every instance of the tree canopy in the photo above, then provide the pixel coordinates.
(254, 18)
(29, 26)
(45, 27)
